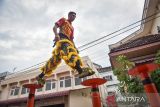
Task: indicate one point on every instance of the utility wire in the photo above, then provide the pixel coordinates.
(24, 72)
(117, 30)
(117, 35)
(33, 66)
(36, 68)
(102, 38)
(41, 63)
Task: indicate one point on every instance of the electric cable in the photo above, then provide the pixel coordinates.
(102, 38)
(117, 30)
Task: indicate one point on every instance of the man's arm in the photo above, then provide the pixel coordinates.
(57, 25)
(55, 32)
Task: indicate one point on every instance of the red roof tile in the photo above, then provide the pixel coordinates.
(138, 42)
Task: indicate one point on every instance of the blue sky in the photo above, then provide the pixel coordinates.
(26, 28)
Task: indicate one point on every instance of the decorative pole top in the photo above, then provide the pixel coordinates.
(145, 68)
(94, 82)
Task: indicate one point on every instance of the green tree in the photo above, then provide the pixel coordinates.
(128, 84)
(157, 61)
(156, 74)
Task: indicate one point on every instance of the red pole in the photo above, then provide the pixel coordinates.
(30, 102)
(94, 82)
(149, 86)
(32, 88)
(150, 90)
(96, 100)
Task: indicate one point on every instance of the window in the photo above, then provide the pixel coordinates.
(85, 78)
(24, 90)
(67, 81)
(79, 80)
(14, 91)
(53, 85)
(61, 82)
(158, 29)
(111, 93)
(108, 78)
(39, 89)
(50, 85)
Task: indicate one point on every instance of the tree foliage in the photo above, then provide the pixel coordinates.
(128, 84)
(156, 74)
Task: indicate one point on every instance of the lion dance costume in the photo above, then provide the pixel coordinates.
(66, 50)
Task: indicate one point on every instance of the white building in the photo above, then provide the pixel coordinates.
(62, 89)
(112, 83)
(142, 45)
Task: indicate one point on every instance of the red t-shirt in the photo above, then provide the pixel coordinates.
(66, 27)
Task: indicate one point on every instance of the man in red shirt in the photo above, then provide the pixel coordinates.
(65, 49)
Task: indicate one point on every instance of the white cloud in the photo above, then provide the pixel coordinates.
(26, 27)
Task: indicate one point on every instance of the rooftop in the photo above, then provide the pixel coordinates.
(105, 69)
(138, 42)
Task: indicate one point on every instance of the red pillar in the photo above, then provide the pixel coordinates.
(150, 90)
(149, 87)
(96, 100)
(30, 102)
(94, 82)
(32, 88)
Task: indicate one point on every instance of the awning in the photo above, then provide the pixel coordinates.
(51, 95)
(37, 97)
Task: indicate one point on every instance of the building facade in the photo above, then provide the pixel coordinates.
(141, 46)
(112, 83)
(62, 89)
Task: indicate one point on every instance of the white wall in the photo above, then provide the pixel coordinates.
(155, 24)
(80, 98)
(113, 84)
(5, 93)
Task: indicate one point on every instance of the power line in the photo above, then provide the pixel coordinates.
(103, 37)
(117, 31)
(33, 66)
(22, 72)
(98, 42)
(36, 68)
(28, 67)
(117, 35)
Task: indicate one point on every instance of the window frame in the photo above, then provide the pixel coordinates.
(26, 90)
(51, 82)
(67, 79)
(61, 80)
(81, 80)
(14, 91)
(108, 77)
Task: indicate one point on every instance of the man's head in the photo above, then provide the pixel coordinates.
(71, 16)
